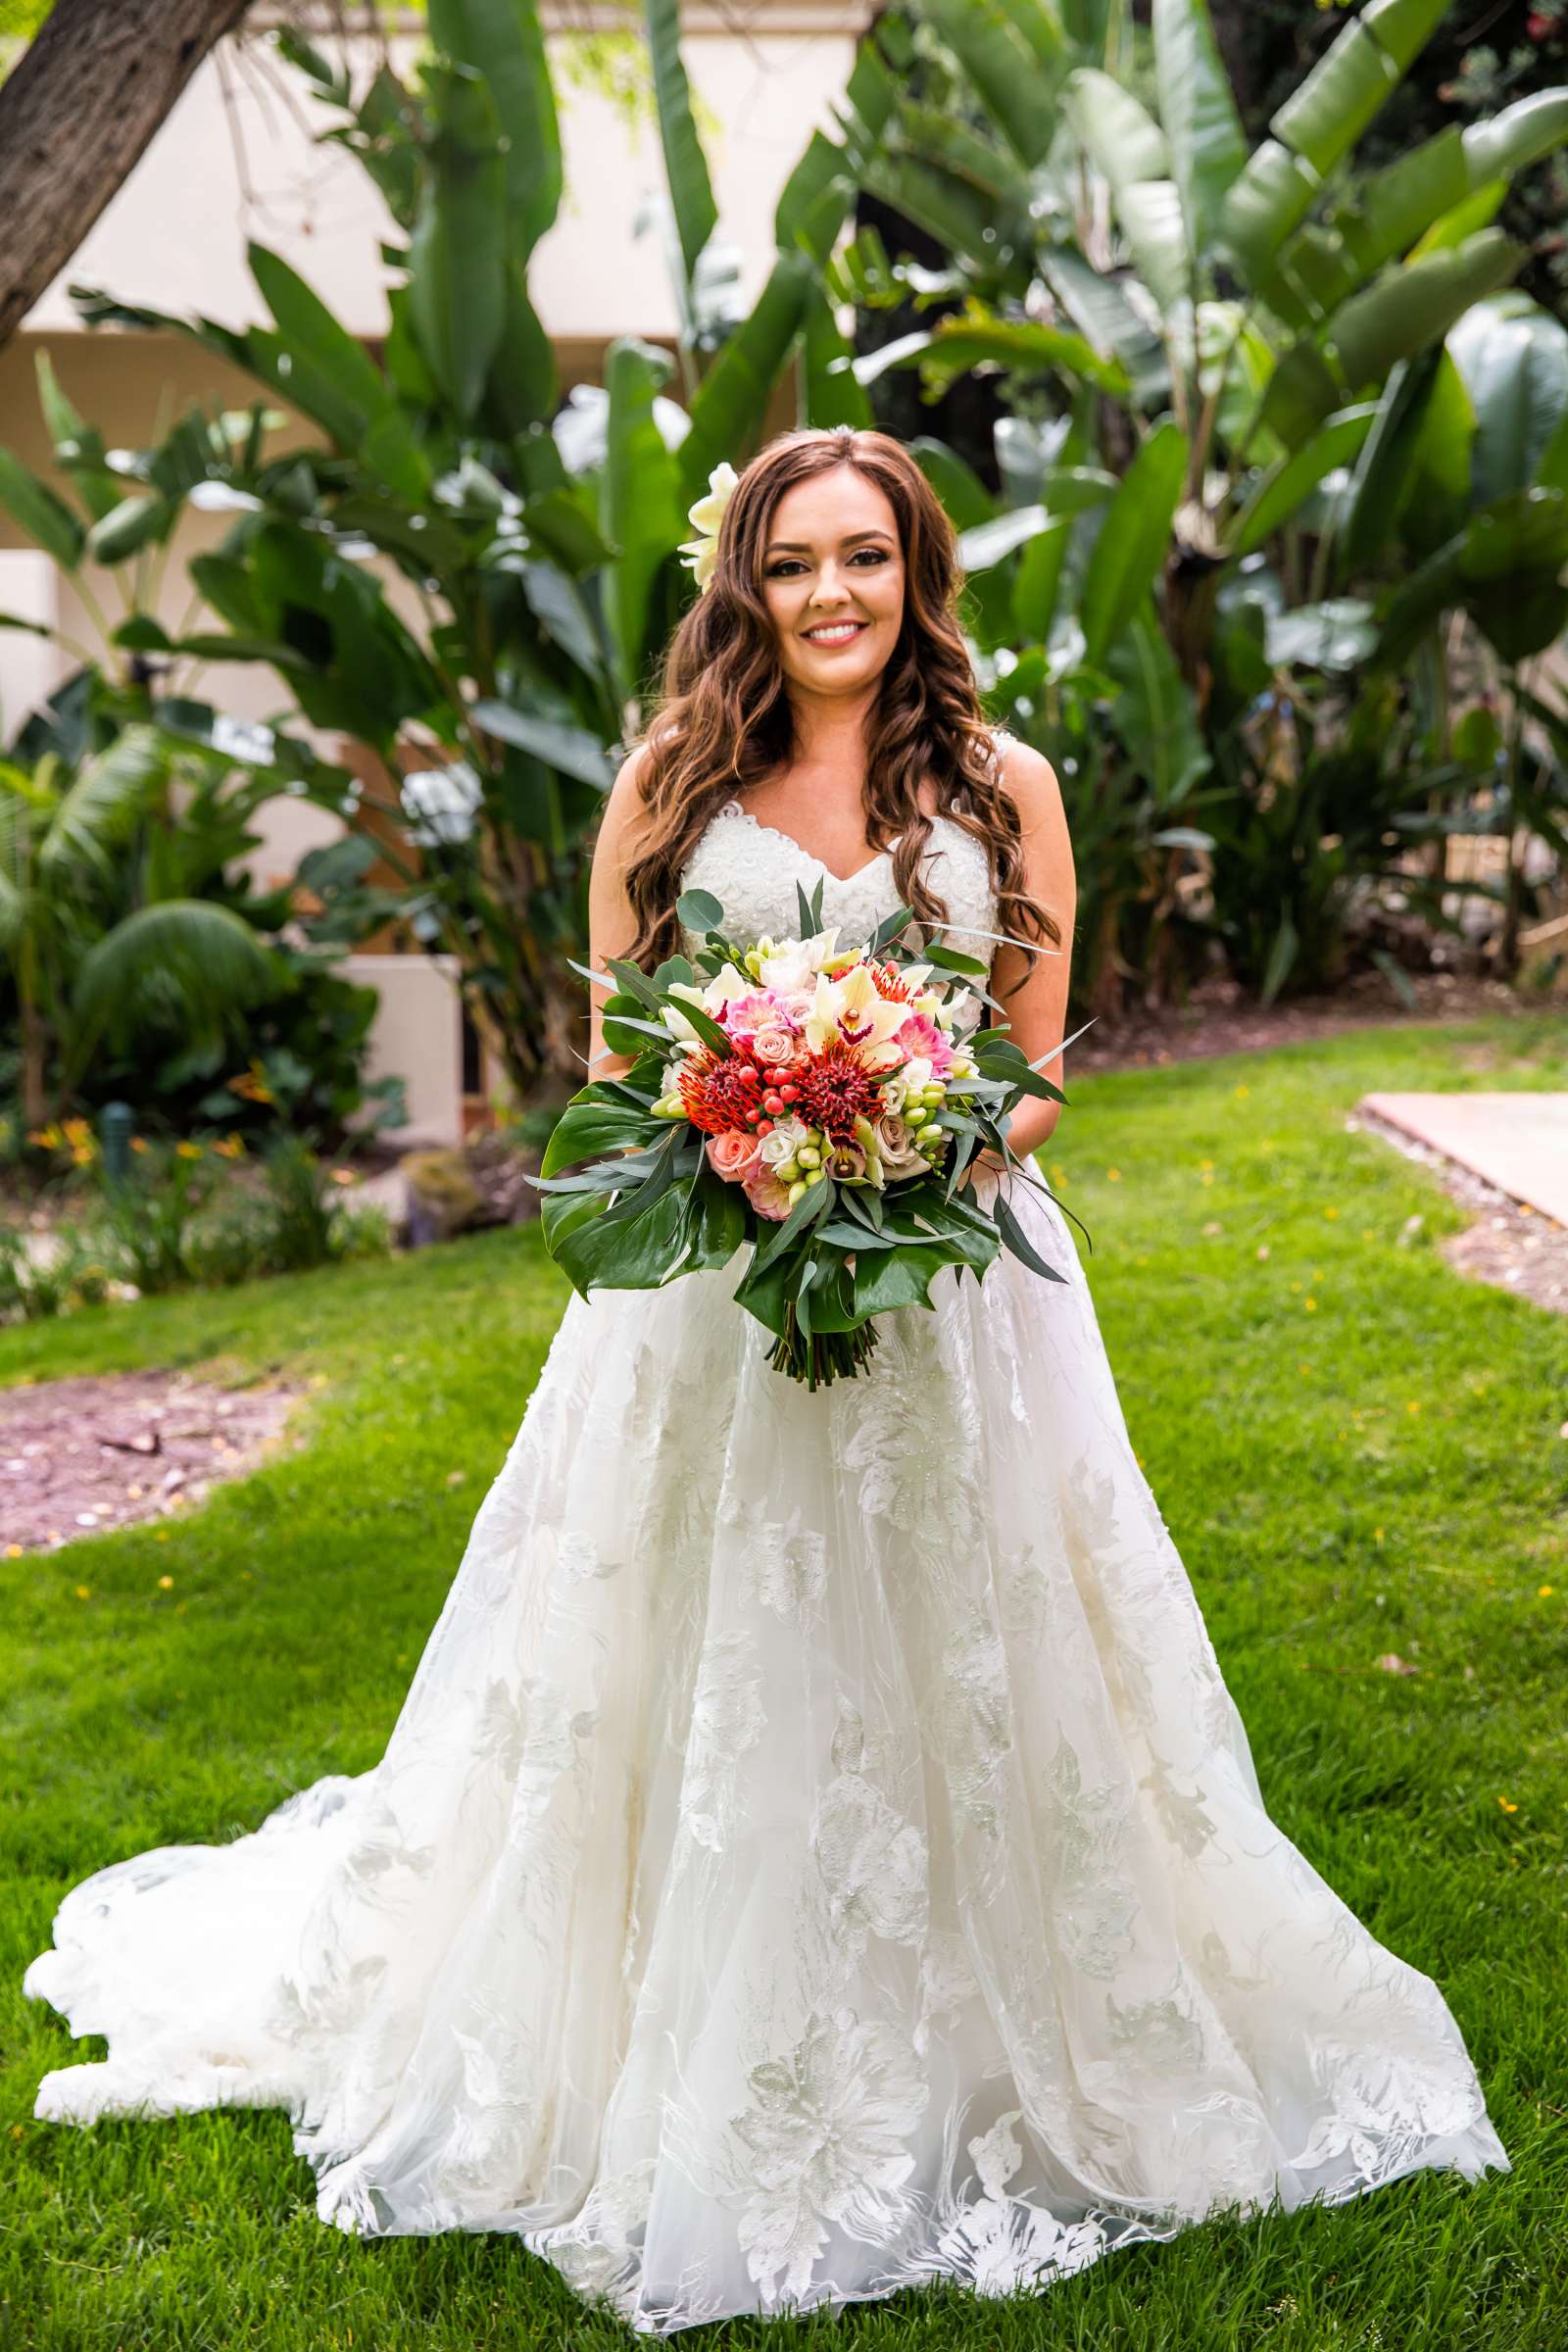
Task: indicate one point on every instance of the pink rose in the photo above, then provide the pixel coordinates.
(921, 1039)
(767, 1195)
(772, 1045)
(730, 1154)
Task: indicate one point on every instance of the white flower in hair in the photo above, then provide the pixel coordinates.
(705, 518)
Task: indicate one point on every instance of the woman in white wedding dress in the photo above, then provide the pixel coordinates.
(817, 1852)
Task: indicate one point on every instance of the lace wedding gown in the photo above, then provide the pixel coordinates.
(817, 1852)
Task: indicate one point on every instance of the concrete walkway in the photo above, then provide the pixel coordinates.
(1517, 1142)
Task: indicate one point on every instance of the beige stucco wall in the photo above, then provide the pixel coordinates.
(236, 161)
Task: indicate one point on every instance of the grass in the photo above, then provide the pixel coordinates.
(1357, 1450)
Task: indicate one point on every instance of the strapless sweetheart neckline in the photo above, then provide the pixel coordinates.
(734, 808)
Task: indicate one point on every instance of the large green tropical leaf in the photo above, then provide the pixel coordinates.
(691, 192)
(1400, 313)
(135, 522)
(1034, 347)
(1502, 567)
(1129, 150)
(457, 252)
(641, 509)
(385, 439)
(1354, 79)
(573, 749)
(1315, 130)
(1102, 313)
(729, 406)
(1263, 208)
(523, 384)
(947, 205)
(818, 193)
(831, 392)
(1438, 476)
(1381, 480)
(78, 447)
(1279, 493)
(502, 43)
(1513, 358)
(963, 493)
(1015, 54)
(1207, 145)
(1156, 714)
(1132, 540)
(42, 515)
(1506, 143)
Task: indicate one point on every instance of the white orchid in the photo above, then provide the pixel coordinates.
(850, 1011)
(729, 982)
(705, 518)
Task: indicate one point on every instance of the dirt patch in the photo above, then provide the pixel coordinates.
(1509, 1244)
(80, 1456)
(1219, 1017)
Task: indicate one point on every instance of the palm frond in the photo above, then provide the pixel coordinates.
(105, 802)
(184, 953)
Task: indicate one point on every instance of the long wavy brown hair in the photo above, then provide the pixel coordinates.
(724, 721)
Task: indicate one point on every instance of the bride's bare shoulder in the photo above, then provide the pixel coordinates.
(1029, 781)
(625, 809)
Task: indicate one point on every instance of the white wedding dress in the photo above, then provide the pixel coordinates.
(817, 1852)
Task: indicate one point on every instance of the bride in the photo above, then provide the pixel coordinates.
(817, 1852)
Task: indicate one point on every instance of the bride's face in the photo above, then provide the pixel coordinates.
(833, 578)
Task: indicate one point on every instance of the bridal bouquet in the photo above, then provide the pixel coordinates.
(820, 1102)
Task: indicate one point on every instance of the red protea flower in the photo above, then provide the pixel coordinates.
(889, 982)
(835, 1090)
(721, 1092)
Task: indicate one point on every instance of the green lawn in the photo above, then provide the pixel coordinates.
(1357, 1452)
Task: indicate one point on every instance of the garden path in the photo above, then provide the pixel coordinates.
(1518, 1142)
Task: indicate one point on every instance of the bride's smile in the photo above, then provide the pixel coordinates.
(833, 578)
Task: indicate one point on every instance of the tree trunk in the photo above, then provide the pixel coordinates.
(35, 1068)
(75, 117)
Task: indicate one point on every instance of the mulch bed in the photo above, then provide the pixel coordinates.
(1220, 1018)
(83, 1454)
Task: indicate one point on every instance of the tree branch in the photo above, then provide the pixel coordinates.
(77, 116)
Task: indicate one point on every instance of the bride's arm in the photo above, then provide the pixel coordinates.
(611, 925)
(1037, 1011)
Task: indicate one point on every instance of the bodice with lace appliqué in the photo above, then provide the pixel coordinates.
(752, 870)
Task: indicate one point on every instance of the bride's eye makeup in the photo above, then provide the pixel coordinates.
(878, 555)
